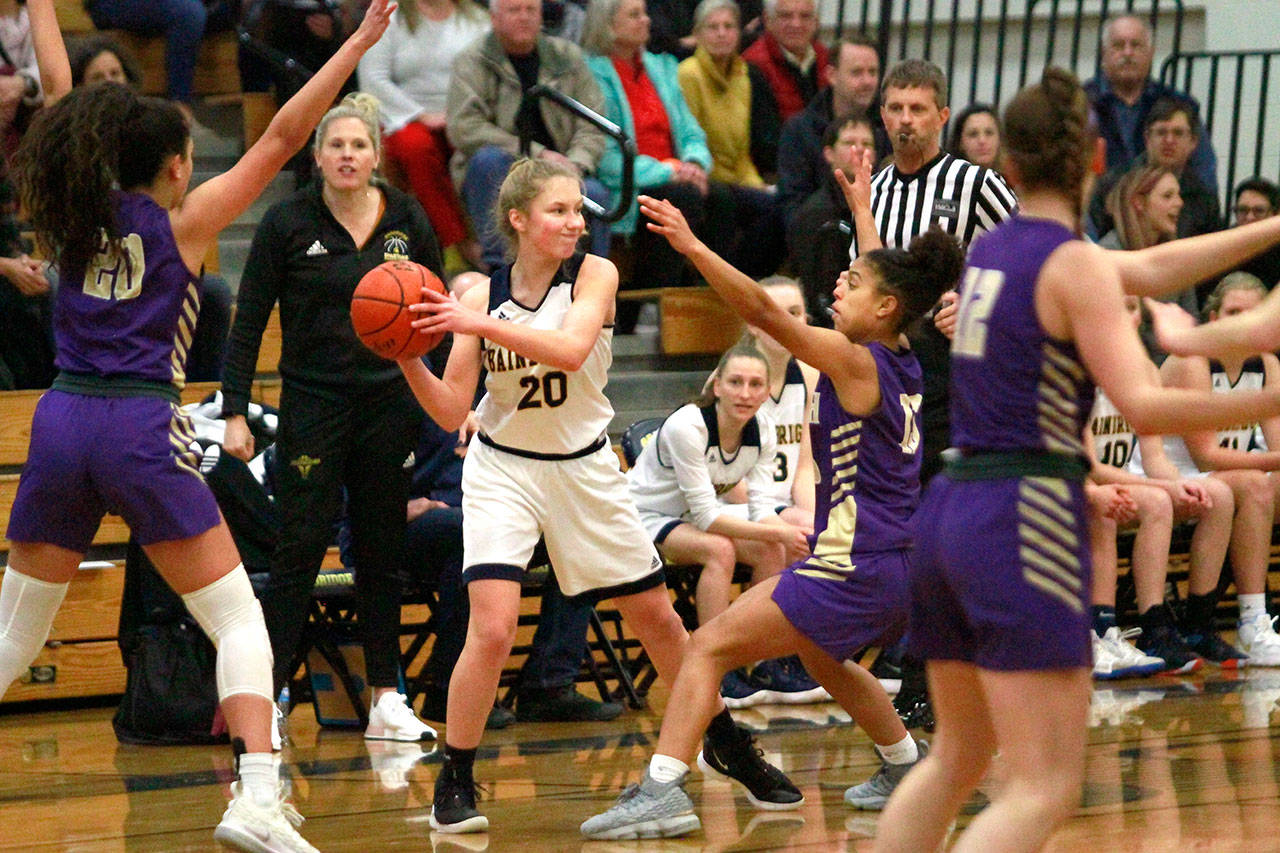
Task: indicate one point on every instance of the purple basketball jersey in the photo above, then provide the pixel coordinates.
(868, 468)
(1012, 386)
(132, 316)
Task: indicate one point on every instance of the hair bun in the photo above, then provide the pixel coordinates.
(363, 102)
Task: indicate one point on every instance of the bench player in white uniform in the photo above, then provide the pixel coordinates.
(541, 467)
(1161, 497)
(1226, 456)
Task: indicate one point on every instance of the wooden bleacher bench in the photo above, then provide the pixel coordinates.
(217, 72)
(690, 319)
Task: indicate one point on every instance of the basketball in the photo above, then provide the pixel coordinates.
(380, 311)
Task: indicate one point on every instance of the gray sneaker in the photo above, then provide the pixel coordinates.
(648, 810)
(874, 793)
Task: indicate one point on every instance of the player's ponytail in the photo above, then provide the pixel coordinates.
(97, 139)
(920, 274)
(1048, 138)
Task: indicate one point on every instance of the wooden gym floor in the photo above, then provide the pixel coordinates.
(1174, 764)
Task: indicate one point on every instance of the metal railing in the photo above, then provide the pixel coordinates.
(1238, 106)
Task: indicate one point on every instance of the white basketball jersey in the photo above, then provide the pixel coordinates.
(1253, 377)
(682, 471)
(533, 409)
(788, 415)
(1113, 438)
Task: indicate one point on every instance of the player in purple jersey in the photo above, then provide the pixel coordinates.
(104, 176)
(1000, 572)
(850, 592)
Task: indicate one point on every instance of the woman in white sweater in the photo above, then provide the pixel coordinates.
(408, 72)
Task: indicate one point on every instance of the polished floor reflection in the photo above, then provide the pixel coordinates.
(1174, 764)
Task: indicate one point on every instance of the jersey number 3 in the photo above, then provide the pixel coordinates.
(117, 276)
(551, 389)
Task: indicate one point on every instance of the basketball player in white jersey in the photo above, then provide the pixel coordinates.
(1226, 454)
(541, 467)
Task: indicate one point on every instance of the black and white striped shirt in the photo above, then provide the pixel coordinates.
(964, 199)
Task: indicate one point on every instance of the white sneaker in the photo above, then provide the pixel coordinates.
(1259, 640)
(1115, 657)
(247, 826)
(393, 719)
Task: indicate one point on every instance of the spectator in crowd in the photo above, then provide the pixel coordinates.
(1170, 131)
(26, 311)
(183, 23)
(408, 71)
(1125, 93)
(642, 95)
(488, 112)
(730, 98)
(975, 136)
(1258, 198)
(816, 243)
(100, 58)
(306, 31)
(434, 555)
(854, 89)
(793, 60)
(1145, 206)
(564, 18)
(20, 90)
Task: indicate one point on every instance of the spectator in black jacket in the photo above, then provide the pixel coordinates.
(1258, 198)
(854, 89)
(347, 417)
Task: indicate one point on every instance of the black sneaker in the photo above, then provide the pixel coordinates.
(1211, 647)
(742, 761)
(562, 705)
(915, 710)
(453, 808)
(1164, 641)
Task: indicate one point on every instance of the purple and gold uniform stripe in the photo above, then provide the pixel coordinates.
(1049, 539)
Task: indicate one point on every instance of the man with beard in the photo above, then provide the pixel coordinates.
(925, 186)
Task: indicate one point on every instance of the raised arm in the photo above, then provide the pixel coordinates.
(858, 195)
(847, 364)
(213, 205)
(1167, 268)
(51, 53)
(1239, 336)
(1092, 313)
(565, 348)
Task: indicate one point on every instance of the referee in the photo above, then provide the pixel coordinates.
(925, 186)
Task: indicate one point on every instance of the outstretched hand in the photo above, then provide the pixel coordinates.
(1169, 322)
(668, 221)
(857, 191)
(374, 23)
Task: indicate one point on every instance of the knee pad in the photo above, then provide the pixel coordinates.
(230, 615)
(27, 608)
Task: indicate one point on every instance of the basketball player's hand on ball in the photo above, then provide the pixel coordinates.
(668, 221)
(238, 440)
(1169, 321)
(1190, 498)
(442, 312)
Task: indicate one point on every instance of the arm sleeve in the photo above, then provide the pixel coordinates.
(259, 289)
(682, 446)
(760, 486)
(996, 202)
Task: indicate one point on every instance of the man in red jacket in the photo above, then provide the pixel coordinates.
(789, 54)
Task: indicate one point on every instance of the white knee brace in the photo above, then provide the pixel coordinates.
(232, 618)
(27, 608)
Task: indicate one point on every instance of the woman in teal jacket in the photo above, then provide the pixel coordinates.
(642, 95)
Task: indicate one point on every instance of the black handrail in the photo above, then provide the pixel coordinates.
(626, 192)
(282, 62)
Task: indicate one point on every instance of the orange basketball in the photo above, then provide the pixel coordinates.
(380, 311)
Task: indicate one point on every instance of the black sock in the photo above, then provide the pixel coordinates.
(1155, 617)
(458, 762)
(1198, 617)
(722, 728)
(1104, 618)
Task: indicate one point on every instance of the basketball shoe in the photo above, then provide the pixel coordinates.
(1258, 639)
(1115, 657)
(785, 681)
(453, 808)
(739, 759)
(392, 719)
(648, 810)
(874, 793)
(246, 825)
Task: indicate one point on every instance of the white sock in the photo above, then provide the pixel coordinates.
(1252, 606)
(664, 768)
(260, 777)
(902, 752)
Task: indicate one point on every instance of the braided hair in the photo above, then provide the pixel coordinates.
(1048, 138)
